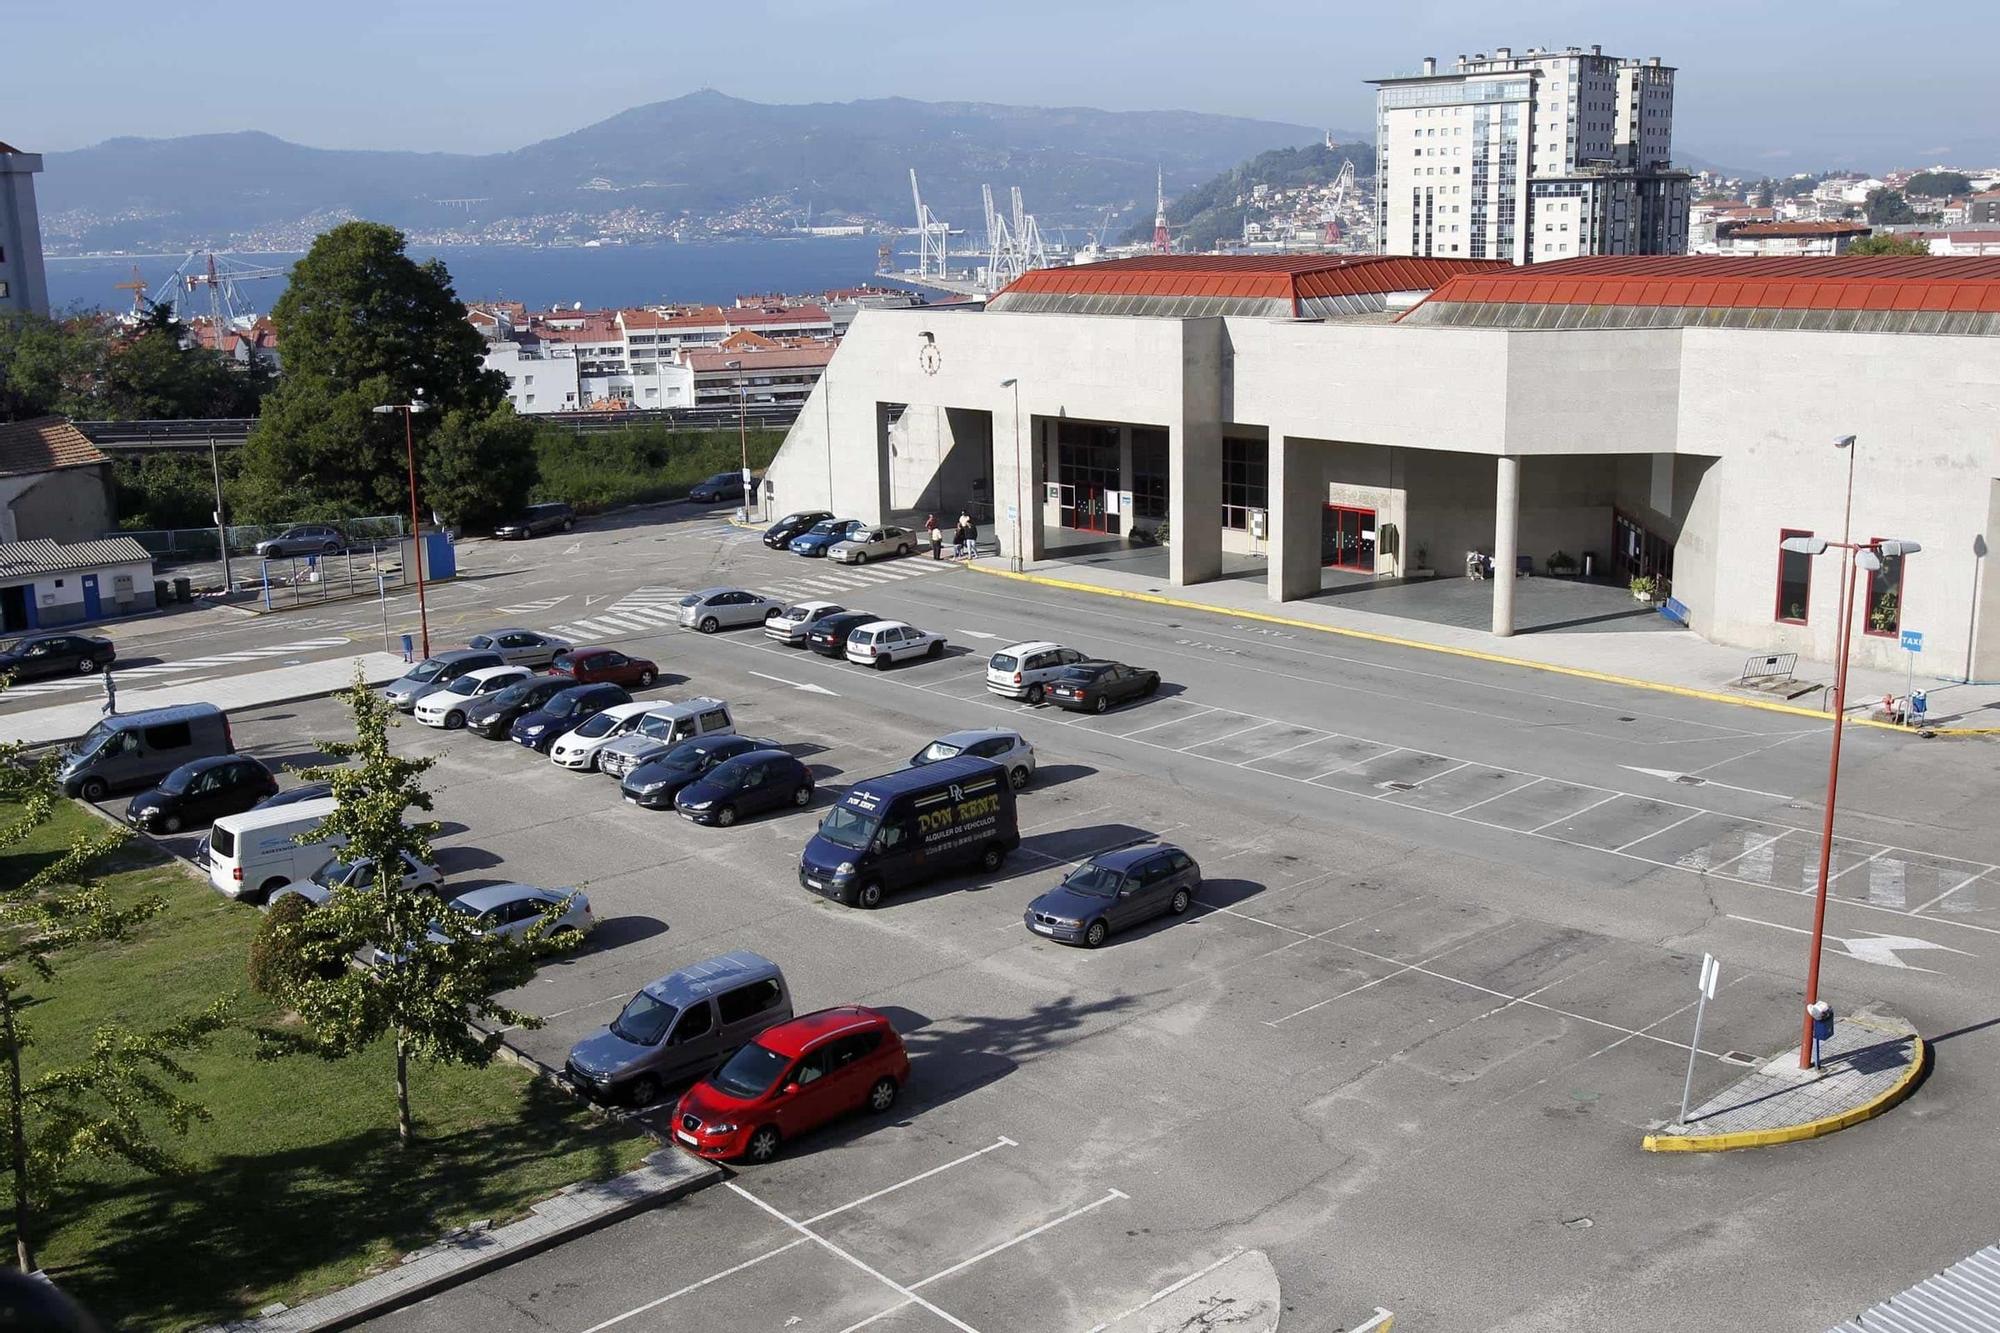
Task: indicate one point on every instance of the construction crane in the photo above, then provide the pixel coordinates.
(933, 238)
(220, 277)
(136, 285)
(1339, 202)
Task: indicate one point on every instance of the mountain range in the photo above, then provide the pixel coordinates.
(706, 163)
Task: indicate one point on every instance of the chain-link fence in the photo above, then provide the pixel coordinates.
(301, 561)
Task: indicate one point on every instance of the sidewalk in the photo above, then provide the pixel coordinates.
(1678, 662)
(1867, 1066)
(462, 1256)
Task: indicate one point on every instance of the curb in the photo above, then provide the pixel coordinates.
(261, 703)
(1811, 1129)
(1393, 641)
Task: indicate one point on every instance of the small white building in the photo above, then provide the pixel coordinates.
(537, 382)
(47, 583)
(23, 284)
(1786, 239)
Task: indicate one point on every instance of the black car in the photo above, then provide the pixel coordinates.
(721, 486)
(536, 520)
(199, 791)
(780, 534)
(1092, 687)
(310, 791)
(655, 783)
(55, 655)
(1116, 891)
(829, 636)
(491, 715)
(749, 784)
(563, 713)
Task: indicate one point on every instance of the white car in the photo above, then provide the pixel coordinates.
(340, 874)
(446, 707)
(1009, 749)
(578, 749)
(1024, 670)
(791, 625)
(865, 544)
(521, 647)
(511, 909)
(880, 642)
(712, 609)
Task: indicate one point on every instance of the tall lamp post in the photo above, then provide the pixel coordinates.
(410, 409)
(221, 523)
(742, 430)
(1017, 562)
(1857, 558)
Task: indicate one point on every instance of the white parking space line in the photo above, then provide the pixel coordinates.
(656, 1303)
(1851, 865)
(1693, 814)
(1206, 709)
(1453, 814)
(1356, 763)
(1755, 847)
(1165, 1292)
(1390, 976)
(1412, 786)
(1002, 1142)
(1568, 815)
(1953, 889)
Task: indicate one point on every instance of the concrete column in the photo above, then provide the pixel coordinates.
(1016, 479)
(1125, 475)
(1194, 501)
(1298, 497)
(1506, 524)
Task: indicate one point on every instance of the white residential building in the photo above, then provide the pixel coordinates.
(1530, 158)
(23, 285)
(537, 381)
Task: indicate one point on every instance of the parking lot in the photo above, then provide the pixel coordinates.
(1426, 1005)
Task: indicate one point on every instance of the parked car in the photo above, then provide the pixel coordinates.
(865, 544)
(434, 673)
(909, 826)
(577, 748)
(305, 791)
(303, 539)
(791, 625)
(513, 909)
(712, 609)
(338, 873)
(447, 707)
(1115, 891)
(563, 713)
(662, 728)
(790, 1079)
(253, 855)
(655, 783)
(1009, 749)
(520, 647)
(536, 520)
(679, 1026)
(780, 534)
(200, 791)
(748, 784)
(1092, 687)
(39, 655)
(815, 540)
(138, 749)
(490, 715)
(721, 486)
(828, 636)
(1024, 670)
(885, 641)
(596, 666)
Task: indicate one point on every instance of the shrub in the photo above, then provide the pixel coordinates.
(275, 966)
(639, 465)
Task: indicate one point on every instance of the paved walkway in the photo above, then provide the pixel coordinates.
(667, 1175)
(1867, 1066)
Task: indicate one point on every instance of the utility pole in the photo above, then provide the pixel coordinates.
(221, 525)
(408, 410)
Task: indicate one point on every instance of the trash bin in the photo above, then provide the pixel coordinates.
(1589, 564)
(183, 590)
(159, 592)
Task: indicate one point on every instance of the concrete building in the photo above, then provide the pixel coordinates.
(53, 483)
(1983, 208)
(48, 583)
(762, 372)
(537, 382)
(1667, 416)
(1530, 158)
(1753, 240)
(23, 284)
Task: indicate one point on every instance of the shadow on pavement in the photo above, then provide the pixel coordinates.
(617, 931)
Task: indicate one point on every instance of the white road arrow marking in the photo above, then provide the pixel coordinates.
(590, 599)
(795, 684)
(977, 634)
(1878, 949)
(572, 548)
(1668, 775)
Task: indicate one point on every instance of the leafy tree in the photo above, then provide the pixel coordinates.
(1763, 192)
(432, 971)
(108, 1102)
(1938, 184)
(46, 365)
(363, 324)
(1889, 245)
(1886, 207)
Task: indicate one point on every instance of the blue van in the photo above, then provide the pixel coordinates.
(907, 827)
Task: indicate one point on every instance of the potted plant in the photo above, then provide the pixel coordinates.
(1882, 617)
(1160, 533)
(1644, 587)
(1562, 564)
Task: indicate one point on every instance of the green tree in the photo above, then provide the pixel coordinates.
(47, 366)
(1938, 184)
(432, 972)
(1889, 245)
(108, 1101)
(1886, 207)
(363, 324)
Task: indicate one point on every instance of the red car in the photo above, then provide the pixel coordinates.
(594, 666)
(790, 1079)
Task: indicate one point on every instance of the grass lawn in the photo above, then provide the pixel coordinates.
(296, 1185)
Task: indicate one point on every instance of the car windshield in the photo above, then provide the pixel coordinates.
(660, 726)
(847, 828)
(176, 782)
(728, 775)
(94, 739)
(750, 1072)
(825, 528)
(426, 670)
(597, 725)
(514, 693)
(563, 705)
(335, 873)
(463, 685)
(1094, 880)
(937, 750)
(1082, 675)
(693, 599)
(563, 661)
(644, 1021)
(790, 521)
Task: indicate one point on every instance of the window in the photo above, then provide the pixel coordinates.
(745, 1001)
(1794, 581)
(174, 735)
(1885, 598)
(1246, 476)
(696, 1021)
(714, 719)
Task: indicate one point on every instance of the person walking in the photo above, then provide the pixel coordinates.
(936, 534)
(110, 708)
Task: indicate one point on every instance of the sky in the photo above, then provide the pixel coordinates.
(1764, 86)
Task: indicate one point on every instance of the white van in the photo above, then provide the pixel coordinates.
(252, 855)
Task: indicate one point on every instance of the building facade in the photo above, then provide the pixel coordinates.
(1530, 158)
(1754, 240)
(54, 483)
(48, 583)
(23, 284)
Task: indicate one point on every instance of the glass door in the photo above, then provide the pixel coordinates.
(1347, 538)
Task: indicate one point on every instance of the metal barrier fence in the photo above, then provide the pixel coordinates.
(184, 545)
(364, 567)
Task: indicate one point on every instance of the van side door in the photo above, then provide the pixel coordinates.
(692, 1046)
(748, 1009)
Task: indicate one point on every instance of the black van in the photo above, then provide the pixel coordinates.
(911, 826)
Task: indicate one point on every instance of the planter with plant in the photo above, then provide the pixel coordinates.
(1562, 564)
(1645, 587)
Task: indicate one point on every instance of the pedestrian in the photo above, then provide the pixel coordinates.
(110, 694)
(936, 534)
(968, 536)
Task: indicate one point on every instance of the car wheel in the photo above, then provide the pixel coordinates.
(861, 557)
(171, 824)
(1096, 935)
(803, 797)
(454, 720)
(646, 679)
(870, 895)
(645, 1090)
(568, 523)
(763, 1145)
(710, 625)
(1018, 778)
(936, 650)
(86, 665)
(990, 859)
(1036, 694)
(883, 1095)
(726, 816)
(904, 549)
(92, 789)
(1181, 902)
(269, 887)
(331, 548)
(1103, 702)
(881, 661)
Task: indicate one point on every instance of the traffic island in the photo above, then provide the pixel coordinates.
(1867, 1066)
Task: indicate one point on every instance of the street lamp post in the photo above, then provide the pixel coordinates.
(408, 410)
(221, 523)
(1857, 558)
(742, 430)
(1017, 562)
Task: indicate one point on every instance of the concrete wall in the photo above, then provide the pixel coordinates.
(70, 505)
(58, 598)
(941, 458)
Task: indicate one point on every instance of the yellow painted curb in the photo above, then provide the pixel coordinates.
(1811, 1129)
(1580, 673)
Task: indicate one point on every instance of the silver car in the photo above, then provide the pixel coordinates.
(1009, 749)
(712, 609)
(797, 620)
(434, 673)
(520, 647)
(866, 544)
(513, 909)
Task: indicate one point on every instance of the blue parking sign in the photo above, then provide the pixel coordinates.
(1913, 640)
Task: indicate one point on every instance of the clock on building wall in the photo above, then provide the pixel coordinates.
(930, 358)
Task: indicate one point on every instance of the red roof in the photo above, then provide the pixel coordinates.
(762, 358)
(792, 1037)
(1886, 282)
(1266, 277)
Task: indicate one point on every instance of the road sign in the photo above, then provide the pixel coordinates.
(1913, 640)
(1704, 992)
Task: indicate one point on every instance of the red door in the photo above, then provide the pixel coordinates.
(1347, 538)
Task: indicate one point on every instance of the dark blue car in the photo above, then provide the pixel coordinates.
(749, 784)
(655, 783)
(1116, 891)
(817, 539)
(563, 713)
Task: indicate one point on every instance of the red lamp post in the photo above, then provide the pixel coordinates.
(408, 409)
